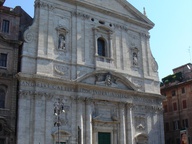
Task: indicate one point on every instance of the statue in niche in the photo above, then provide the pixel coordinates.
(135, 59)
(61, 44)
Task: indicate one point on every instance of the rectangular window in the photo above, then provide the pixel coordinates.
(183, 90)
(174, 106)
(185, 123)
(184, 104)
(166, 126)
(5, 26)
(165, 108)
(176, 125)
(104, 138)
(3, 60)
(60, 142)
(173, 93)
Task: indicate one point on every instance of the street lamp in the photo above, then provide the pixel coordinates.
(58, 109)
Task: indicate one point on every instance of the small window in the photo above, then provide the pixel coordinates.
(3, 60)
(101, 47)
(173, 93)
(1, 127)
(184, 104)
(2, 98)
(60, 142)
(174, 106)
(165, 108)
(166, 126)
(185, 123)
(176, 125)
(183, 90)
(5, 26)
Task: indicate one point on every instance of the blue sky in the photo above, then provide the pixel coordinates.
(171, 37)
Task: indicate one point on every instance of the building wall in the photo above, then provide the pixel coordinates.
(180, 94)
(116, 94)
(9, 47)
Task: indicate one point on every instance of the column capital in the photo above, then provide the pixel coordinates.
(129, 105)
(88, 100)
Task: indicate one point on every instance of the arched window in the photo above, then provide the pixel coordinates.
(2, 98)
(101, 47)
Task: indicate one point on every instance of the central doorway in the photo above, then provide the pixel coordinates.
(104, 138)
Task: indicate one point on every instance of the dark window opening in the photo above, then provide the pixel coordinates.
(173, 93)
(184, 104)
(174, 106)
(166, 126)
(3, 60)
(176, 125)
(101, 47)
(2, 98)
(185, 123)
(5, 26)
(165, 108)
(183, 90)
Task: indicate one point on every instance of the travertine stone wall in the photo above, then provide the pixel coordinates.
(117, 94)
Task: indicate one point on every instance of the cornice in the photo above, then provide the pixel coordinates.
(10, 41)
(148, 24)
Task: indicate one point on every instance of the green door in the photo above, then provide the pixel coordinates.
(104, 138)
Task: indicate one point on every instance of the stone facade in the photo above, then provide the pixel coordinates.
(95, 56)
(10, 22)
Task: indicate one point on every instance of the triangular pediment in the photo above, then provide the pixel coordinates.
(121, 8)
(107, 79)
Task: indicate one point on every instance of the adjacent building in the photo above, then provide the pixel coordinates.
(11, 27)
(93, 57)
(177, 88)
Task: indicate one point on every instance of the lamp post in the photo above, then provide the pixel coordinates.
(58, 109)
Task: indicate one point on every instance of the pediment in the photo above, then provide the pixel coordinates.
(121, 7)
(107, 79)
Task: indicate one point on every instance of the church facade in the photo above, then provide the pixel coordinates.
(94, 57)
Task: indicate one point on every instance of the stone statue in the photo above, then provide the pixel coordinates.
(61, 45)
(135, 60)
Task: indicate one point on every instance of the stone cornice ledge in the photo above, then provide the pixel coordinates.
(111, 12)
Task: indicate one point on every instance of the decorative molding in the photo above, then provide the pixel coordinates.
(29, 36)
(61, 70)
(81, 15)
(43, 5)
(121, 27)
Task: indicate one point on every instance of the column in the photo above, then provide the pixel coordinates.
(122, 123)
(129, 128)
(80, 102)
(114, 136)
(39, 119)
(88, 120)
(74, 136)
(25, 110)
